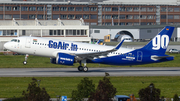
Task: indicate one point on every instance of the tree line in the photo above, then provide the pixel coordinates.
(105, 91)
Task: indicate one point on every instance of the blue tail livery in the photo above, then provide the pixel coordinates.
(68, 52)
(153, 52)
(160, 42)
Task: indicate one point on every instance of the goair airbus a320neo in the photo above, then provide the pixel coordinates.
(67, 52)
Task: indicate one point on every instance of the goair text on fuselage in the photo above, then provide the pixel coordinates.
(63, 45)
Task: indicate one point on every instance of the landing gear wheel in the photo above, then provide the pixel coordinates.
(85, 69)
(24, 62)
(80, 68)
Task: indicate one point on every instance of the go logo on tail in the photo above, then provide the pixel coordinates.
(160, 42)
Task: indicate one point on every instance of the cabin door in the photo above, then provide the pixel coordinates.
(28, 42)
(139, 56)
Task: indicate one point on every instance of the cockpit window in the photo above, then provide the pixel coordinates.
(15, 40)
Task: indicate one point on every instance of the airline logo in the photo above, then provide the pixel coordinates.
(160, 42)
(66, 59)
(63, 45)
(129, 57)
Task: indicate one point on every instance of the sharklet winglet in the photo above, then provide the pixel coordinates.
(119, 45)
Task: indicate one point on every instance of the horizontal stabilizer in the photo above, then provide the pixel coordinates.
(156, 57)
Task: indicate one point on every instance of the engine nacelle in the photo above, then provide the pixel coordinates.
(63, 59)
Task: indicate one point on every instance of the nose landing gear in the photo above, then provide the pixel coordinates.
(26, 57)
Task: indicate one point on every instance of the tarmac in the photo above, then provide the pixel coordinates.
(73, 72)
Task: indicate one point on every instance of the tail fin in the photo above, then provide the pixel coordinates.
(159, 43)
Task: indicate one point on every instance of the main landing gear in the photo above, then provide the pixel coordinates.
(26, 57)
(81, 68)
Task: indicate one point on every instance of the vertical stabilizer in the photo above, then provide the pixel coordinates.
(160, 42)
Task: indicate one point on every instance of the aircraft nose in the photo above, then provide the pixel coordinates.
(6, 45)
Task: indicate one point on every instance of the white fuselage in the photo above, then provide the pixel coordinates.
(40, 47)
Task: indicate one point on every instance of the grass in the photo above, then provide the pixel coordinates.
(16, 61)
(13, 86)
(10, 86)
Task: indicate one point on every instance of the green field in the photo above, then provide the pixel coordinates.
(10, 86)
(13, 86)
(16, 61)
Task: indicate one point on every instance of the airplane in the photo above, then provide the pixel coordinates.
(69, 52)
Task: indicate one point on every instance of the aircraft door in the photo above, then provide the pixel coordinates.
(139, 56)
(28, 43)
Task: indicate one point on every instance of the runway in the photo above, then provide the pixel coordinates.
(73, 72)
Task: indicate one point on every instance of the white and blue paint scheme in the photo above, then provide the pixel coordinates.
(67, 52)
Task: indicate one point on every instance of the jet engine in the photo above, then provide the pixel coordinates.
(63, 59)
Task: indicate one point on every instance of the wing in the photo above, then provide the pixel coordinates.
(81, 56)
